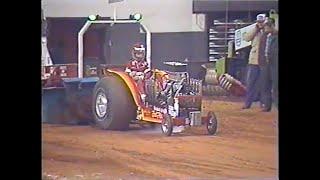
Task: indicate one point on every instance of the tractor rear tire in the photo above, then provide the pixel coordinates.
(212, 123)
(113, 105)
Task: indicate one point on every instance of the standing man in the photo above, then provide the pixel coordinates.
(271, 54)
(256, 58)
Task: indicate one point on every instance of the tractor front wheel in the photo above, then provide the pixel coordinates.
(167, 125)
(212, 123)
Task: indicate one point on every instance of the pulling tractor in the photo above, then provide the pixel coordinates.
(117, 100)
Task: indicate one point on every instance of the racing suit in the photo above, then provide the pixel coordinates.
(136, 69)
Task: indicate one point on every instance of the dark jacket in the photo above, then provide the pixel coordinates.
(272, 52)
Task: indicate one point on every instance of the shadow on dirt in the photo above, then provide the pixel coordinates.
(177, 131)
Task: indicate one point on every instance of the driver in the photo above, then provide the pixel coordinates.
(138, 67)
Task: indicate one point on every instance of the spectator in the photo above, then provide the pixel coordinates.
(271, 54)
(255, 60)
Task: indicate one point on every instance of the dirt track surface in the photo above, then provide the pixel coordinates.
(245, 147)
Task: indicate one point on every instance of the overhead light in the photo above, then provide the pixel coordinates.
(92, 17)
(136, 16)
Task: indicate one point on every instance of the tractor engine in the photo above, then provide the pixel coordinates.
(174, 91)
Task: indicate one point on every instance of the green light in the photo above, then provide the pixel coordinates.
(137, 16)
(92, 17)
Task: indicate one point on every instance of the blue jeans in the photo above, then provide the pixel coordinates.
(253, 77)
(266, 85)
(274, 78)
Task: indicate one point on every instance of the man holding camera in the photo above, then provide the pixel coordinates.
(256, 59)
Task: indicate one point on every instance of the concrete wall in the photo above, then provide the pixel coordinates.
(158, 15)
(234, 5)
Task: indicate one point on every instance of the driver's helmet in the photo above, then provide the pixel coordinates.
(138, 51)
